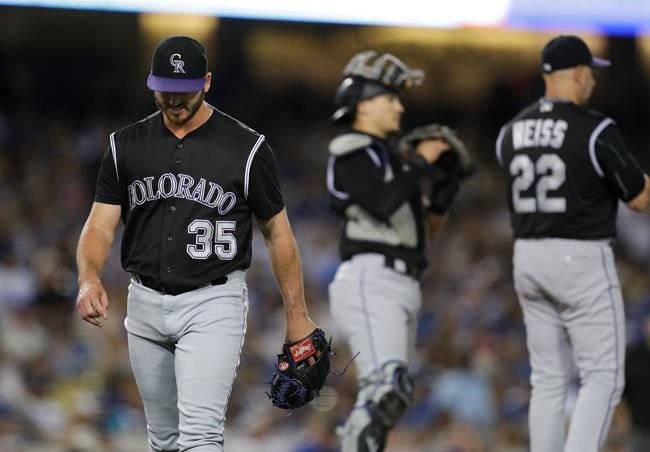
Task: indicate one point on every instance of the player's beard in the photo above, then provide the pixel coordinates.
(189, 106)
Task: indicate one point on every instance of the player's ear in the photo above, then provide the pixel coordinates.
(207, 81)
(579, 75)
(362, 107)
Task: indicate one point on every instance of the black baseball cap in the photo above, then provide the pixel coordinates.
(178, 65)
(565, 51)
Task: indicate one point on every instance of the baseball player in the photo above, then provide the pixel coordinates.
(186, 182)
(375, 296)
(566, 169)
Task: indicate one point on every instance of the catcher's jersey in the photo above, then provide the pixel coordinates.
(187, 203)
(566, 168)
(378, 198)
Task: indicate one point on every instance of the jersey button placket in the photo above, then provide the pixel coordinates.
(179, 146)
(172, 208)
(177, 161)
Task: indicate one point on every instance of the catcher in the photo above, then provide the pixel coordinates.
(375, 188)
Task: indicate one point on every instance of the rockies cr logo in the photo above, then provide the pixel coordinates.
(175, 60)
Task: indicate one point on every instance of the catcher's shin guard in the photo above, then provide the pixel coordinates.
(381, 403)
(363, 431)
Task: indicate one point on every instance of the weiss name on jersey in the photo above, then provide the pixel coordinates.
(539, 133)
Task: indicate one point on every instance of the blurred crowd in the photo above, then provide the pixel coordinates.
(67, 386)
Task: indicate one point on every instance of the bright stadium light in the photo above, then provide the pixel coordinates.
(409, 13)
(616, 16)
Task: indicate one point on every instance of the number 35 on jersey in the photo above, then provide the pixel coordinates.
(225, 244)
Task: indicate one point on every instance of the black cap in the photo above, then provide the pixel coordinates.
(178, 65)
(565, 51)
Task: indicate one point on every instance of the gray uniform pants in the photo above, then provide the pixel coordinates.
(573, 310)
(375, 308)
(184, 352)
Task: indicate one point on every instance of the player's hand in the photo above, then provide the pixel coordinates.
(299, 328)
(431, 149)
(92, 301)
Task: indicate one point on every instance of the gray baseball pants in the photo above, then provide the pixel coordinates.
(184, 351)
(573, 310)
(375, 308)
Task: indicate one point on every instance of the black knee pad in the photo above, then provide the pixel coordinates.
(383, 398)
(363, 431)
(393, 395)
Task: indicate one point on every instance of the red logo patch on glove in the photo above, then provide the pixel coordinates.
(302, 350)
(283, 365)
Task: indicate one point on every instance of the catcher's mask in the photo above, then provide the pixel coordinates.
(367, 75)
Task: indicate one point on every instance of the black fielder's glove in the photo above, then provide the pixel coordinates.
(443, 192)
(458, 163)
(295, 381)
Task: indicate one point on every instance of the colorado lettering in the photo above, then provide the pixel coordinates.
(181, 186)
(529, 133)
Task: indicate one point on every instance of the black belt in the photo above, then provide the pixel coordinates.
(403, 267)
(151, 283)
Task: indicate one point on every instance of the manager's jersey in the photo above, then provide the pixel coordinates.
(187, 204)
(566, 169)
(378, 198)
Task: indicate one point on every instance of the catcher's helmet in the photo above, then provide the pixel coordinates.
(369, 74)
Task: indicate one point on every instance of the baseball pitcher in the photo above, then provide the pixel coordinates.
(187, 182)
(566, 169)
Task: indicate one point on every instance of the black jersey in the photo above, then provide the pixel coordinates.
(187, 203)
(378, 197)
(566, 168)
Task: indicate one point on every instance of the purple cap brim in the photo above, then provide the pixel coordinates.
(174, 85)
(600, 62)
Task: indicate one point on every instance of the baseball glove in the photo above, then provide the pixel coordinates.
(458, 163)
(295, 381)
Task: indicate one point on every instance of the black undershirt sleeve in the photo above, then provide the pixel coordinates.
(357, 175)
(622, 172)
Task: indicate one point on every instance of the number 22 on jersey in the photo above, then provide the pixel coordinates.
(547, 173)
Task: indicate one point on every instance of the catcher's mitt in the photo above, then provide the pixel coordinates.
(295, 381)
(458, 163)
